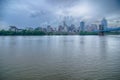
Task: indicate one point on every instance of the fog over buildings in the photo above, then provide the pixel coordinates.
(35, 13)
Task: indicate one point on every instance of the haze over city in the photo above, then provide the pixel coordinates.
(35, 13)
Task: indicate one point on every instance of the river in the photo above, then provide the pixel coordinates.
(60, 57)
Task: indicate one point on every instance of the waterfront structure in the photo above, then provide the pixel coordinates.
(104, 23)
(101, 28)
(13, 28)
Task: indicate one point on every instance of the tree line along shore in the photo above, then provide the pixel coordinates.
(35, 32)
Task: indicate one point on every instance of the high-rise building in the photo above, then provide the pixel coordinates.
(72, 28)
(82, 26)
(104, 23)
(60, 28)
(49, 28)
(65, 26)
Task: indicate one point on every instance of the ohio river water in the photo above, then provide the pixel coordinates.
(60, 57)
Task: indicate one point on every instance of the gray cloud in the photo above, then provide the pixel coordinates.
(37, 12)
(63, 3)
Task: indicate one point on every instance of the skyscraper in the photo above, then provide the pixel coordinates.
(104, 23)
(82, 26)
(65, 26)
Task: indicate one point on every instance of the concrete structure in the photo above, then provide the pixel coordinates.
(104, 23)
(101, 30)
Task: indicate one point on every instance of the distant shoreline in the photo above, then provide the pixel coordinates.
(40, 33)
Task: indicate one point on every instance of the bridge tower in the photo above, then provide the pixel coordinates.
(101, 30)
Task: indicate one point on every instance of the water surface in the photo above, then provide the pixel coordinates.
(60, 57)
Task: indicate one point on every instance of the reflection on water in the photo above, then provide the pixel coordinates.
(60, 58)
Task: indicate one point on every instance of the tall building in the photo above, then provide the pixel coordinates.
(68, 20)
(82, 26)
(60, 28)
(72, 28)
(65, 26)
(104, 23)
(49, 28)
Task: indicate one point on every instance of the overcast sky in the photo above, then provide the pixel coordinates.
(35, 13)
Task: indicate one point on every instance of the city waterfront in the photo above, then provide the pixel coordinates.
(60, 57)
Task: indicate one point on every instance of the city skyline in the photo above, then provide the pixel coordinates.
(27, 13)
(64, 27)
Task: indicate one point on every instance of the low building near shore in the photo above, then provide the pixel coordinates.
(13, 28)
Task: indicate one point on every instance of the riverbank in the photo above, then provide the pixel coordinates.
(40, 33)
